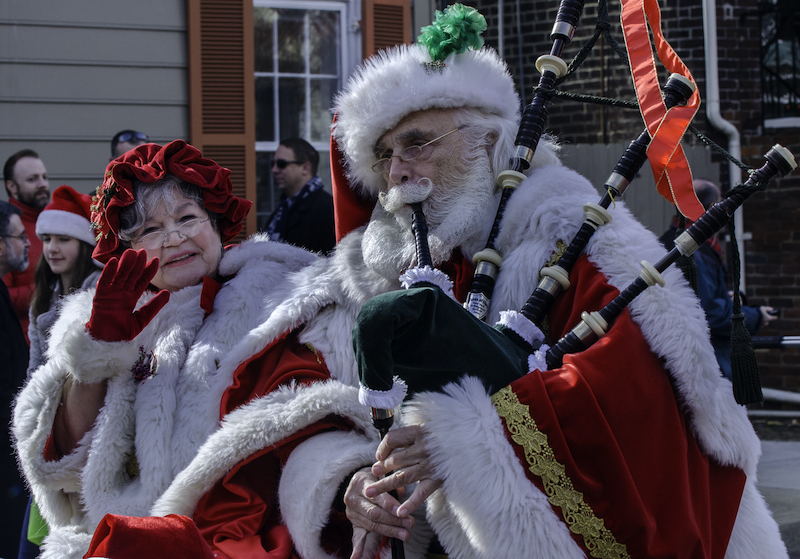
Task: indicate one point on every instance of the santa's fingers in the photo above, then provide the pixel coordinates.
(374, 515)
(365, 544)
(422, 491)
(396, 480)
(375, 519)
(398, 439)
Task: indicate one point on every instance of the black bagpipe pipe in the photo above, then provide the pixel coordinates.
(552, 67)
(780, 162)
(383, 417)
(555, 279)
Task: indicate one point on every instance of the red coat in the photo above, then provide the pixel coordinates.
(239, 516)
(20, 284)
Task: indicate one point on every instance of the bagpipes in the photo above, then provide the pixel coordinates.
(380, 342)
(775, 342)
(555, 278)
(594, 325)
(552, 67)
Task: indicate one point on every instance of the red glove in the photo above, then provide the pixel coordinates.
(120, 286)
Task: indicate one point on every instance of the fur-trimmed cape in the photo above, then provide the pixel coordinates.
(163, 420)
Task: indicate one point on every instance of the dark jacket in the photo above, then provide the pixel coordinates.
(309, 223)
(712, 288)
(13, 363)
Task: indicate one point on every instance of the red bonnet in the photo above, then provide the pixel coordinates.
(149, 163)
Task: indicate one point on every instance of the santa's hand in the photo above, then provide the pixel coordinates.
(365, 544)
(372, 517)
(403, 459)
(121, 284)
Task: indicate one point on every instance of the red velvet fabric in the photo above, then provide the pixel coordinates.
(612, 419)
(350, 210)
(210, 289)
(149, 163)
(239, 517)
(460, 271)
(170, 536)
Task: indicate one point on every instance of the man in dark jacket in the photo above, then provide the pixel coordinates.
(712, 285)
(304, 216)
(14, 245)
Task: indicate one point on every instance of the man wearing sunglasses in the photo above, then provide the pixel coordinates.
(28, 189)
(125, 140)
(304, 216)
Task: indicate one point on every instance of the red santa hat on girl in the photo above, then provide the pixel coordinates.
(68, 214)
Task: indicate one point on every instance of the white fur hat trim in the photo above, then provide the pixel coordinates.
(394, 83)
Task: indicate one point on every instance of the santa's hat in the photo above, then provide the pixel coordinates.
(68, 214)
(446, 68)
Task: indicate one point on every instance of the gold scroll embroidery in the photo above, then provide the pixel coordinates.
(580, 518)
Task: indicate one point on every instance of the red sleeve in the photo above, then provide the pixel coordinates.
(21, 294)
(239, 516)
(612, 419)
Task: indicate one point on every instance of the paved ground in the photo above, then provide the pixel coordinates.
(779, 476)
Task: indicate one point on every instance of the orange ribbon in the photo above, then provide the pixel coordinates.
(666, 127)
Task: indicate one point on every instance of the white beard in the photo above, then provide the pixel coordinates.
(459, 213)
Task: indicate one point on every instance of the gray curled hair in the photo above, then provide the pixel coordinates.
(498, 135)
(149, 195)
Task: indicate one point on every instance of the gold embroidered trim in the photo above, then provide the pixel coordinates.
(561, 248)
(580, 518)
(315, 352)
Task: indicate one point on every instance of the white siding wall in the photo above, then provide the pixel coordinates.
(72, 74)
(596, 162)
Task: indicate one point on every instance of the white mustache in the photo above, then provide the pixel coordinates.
(400, 196)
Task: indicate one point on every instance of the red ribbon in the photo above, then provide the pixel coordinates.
(666, 127)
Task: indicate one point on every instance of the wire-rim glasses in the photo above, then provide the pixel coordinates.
(21, 237)
(409, 154)
(156, 239)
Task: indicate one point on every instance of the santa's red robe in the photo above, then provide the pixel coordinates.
(611, 418)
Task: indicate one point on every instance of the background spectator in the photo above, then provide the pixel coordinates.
(304, 216)
(125, 140)
(28, 189)
(66, 264)
(13, 362)
(712, 284)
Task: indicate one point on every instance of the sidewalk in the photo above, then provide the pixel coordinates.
(779, 483)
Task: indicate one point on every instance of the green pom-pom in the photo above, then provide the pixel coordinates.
(453, 31)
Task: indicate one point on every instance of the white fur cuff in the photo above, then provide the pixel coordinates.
(413, 276)
(384, 399)
(91, 361)
(517, 322)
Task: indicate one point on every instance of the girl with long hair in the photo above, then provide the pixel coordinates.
(66, 264)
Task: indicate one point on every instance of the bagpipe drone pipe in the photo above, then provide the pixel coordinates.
(552, 67)
(594, 325)
(555, 279)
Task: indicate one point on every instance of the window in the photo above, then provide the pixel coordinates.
(780, 62)
(299, 52)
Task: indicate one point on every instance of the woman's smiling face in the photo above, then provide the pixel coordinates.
(183, 260)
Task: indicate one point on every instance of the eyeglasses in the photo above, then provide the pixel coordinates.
(156, 239)
(21, 237)
(283, 163)
(409, 154)
(128, 136)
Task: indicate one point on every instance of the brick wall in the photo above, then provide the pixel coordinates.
(771, 217)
